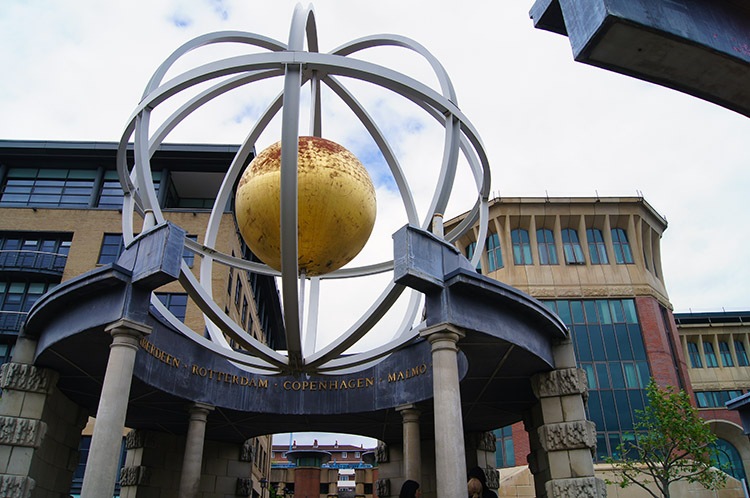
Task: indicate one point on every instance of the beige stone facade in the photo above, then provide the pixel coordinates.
(586, 277)
(642, 224)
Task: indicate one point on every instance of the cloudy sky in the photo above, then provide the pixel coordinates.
(75, 71)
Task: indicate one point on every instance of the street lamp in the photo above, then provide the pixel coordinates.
(263, 485)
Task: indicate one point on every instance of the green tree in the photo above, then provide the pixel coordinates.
(670, 443)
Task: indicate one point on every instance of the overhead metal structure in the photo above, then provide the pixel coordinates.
(297, 66)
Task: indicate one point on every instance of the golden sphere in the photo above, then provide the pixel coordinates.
(335, 206)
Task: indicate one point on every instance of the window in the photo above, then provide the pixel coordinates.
(238, 291)
(708, 349)
(494, 253)
(521, 247)
(112, 247)
(739, 348)
(695, 357)
(572, 247)
(47, 252)
(621, 246)
(176, 303)
(229, 284)
(243, 317)
(16, 299)
(187, 255)
(609, 347)
(110, 195)
(343, 454)
(546, 243)
(356, 454)
(714, 399)
(48, 187)
(6, 353)
(726, 355)
(470, 250)
(597, 248)
(504, 454)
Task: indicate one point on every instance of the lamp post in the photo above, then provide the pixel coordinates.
(263, 485)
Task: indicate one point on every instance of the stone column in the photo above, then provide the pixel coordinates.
(562, 441)
(190, 478)
(104, 454)
(450, 457)
(412, 442)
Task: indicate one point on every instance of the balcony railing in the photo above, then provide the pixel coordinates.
(11, 321)
(48, 262)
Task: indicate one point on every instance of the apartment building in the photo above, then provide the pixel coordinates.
(61, 216)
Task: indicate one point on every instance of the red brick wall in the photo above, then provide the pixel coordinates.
(306, 481)
(521, 447)
(658, 352)
(721, 414)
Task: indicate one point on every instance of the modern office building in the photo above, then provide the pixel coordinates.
(596, 262)
(60, 216)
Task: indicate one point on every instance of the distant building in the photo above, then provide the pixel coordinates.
(347, 472)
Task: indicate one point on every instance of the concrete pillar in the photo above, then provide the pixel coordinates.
(450, 457)
(412, 442)
(190, 478)
(104, 454)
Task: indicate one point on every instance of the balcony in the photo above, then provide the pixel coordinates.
(21, 261)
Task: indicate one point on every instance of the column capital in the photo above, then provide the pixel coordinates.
(410, 406)
(199, 410)
(442, 332)
(127, 327)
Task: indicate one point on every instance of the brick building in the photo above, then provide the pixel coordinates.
(349, 472)
(596, 262)
(60, 216)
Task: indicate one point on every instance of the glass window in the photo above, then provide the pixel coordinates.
(695, 357)
(521, 246)
(621, 246)
(238, 291)
(175, 302)
(597, 248)
(710, 354)
(494, 254)
(572, 247)
(616, 371)
(739, 348)
(16, 299)
(243, 317)
(112, 247)
(714, 399)
(470, 250)
(48, 187)
(110, 194)
(505, 454)
(546, 244)
(48, 252)
(187, 255)
(726, 355)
